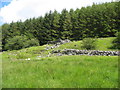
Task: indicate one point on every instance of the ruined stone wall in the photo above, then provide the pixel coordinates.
(58, 42)
(85, 52)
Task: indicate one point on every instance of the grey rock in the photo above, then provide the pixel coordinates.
(87, 52)
(58, 42)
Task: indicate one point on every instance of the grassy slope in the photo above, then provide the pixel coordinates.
(32, 52)
(64, 71)
(101, 44)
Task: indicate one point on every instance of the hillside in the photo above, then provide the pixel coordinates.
(103, 44)
(31, 58)
(26, 69)
(85, 55)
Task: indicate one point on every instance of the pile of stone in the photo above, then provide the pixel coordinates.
(84, 52)
(56, 51)
(51, 47)
(58, 42)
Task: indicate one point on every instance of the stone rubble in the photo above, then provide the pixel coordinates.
(56, 43)
(51, 47)
(84, 52)
(59, 42)
(76, 51)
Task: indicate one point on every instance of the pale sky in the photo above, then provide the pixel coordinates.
(24, 9)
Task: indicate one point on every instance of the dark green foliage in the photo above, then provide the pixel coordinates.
(31, 42)
(101, 20)
(88, 43)
(65, 24)
(116, 42)
(19, 42)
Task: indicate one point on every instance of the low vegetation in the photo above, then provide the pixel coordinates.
(116, 42)
(89, 43)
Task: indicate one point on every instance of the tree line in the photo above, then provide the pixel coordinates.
(98, 20)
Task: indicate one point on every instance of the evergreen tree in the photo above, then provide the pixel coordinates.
(98, 20)
(65, 24)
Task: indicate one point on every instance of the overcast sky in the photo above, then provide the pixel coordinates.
(23, 9)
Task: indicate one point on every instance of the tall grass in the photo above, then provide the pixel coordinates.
(62, 72)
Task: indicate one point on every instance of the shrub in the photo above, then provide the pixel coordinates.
(19, 42)
(31, 42)
(116, 41)
(88, 43)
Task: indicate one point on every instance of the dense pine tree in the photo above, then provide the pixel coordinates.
(65, 24)
(98, 20)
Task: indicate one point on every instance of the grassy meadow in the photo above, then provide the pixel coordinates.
(59, 72)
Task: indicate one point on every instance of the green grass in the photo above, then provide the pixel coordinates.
(62, 72)
(0, 71)
(105, 43)
(24, 53)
